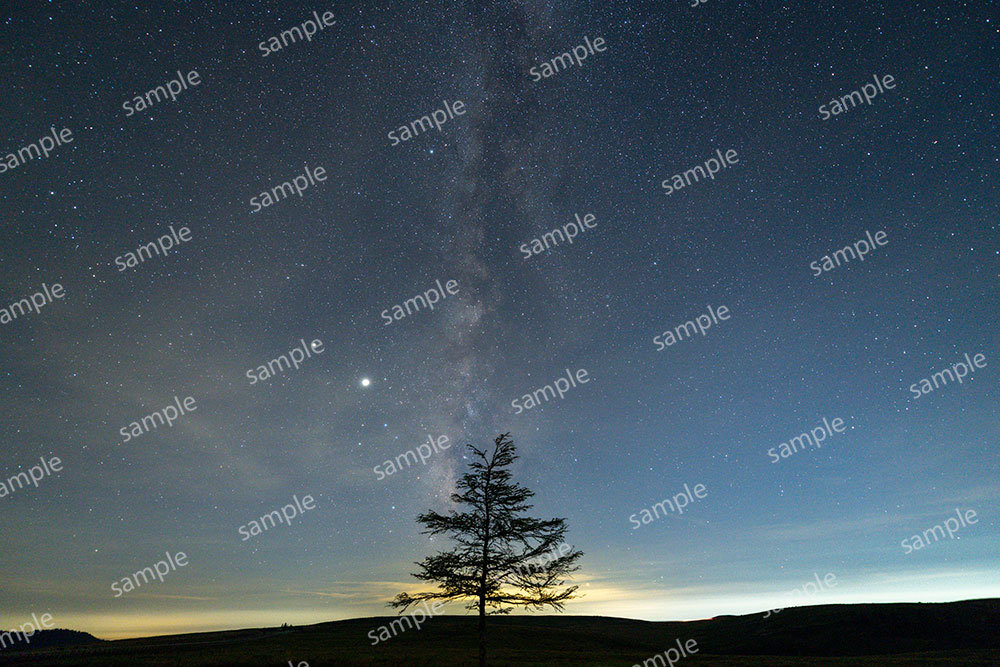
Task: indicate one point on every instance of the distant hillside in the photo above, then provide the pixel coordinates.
(52, 638)
(956, 633)
(859, 629)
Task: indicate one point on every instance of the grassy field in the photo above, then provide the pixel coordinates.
(830, 635)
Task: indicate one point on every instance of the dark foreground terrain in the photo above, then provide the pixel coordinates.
(954, 633)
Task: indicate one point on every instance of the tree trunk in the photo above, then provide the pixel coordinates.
(486, 563)
(482, 631)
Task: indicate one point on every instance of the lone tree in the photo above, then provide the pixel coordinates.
(502, 559)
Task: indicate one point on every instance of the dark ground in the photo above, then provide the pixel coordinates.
(955, 633)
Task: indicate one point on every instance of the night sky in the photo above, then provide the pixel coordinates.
(674, 84)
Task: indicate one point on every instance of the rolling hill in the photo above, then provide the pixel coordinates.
(955, 633)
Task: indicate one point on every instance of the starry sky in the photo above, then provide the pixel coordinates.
(675, 83)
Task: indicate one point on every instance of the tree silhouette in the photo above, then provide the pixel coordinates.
(502, 559)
